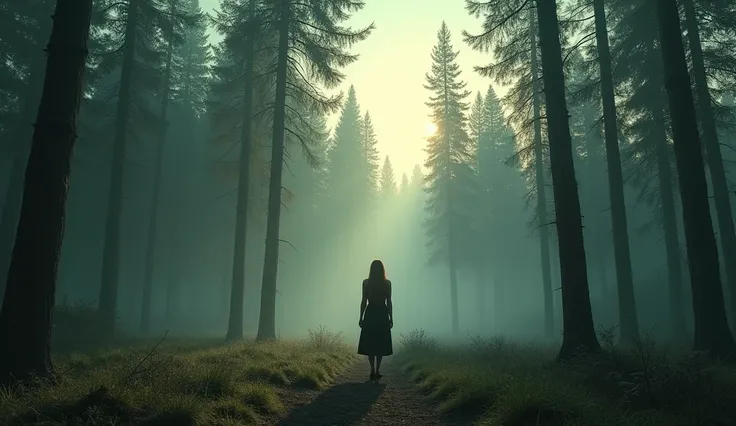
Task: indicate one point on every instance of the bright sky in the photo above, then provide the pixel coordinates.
(389, 75)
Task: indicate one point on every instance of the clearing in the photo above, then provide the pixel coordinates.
(320, 381)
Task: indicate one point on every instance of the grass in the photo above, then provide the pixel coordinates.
(501, 382)
(176, 383)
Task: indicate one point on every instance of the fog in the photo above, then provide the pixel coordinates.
(362, 186)
(325, 255)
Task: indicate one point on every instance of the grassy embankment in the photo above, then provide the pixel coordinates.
(514, 384)
(176, 382)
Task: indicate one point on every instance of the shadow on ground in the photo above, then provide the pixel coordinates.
(341, 404)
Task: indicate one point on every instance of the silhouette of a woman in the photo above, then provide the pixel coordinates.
(376, 318)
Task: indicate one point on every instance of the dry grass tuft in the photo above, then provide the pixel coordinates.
(181, 383)
(502, 382)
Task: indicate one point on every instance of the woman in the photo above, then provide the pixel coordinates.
(376, 318)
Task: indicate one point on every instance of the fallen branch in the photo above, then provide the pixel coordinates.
(138, 368)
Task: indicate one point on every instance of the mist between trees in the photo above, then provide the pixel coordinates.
(191, 155)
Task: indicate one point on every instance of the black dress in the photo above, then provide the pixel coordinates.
(375, 335)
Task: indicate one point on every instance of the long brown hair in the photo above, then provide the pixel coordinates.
(377, 273)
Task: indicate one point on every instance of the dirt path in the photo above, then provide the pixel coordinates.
(353, 400)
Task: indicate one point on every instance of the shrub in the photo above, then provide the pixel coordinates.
(325, 340)
(418, 340)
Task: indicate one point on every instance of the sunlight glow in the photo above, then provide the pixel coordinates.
(430, 129)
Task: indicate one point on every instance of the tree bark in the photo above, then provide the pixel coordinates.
(709, 130)
(622, 253)
(20, 137)
(712, 333)
(556, 283)
(27, 311)
(237, 290)
(549, 318)
(111, 252)
(578, 330)
(267, 317)
(11, 211)
(156, 201)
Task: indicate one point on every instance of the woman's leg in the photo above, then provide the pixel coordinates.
(371, 360)
(378, 364)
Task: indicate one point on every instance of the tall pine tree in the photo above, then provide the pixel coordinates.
(578, 330)
(449, 161)
(319, 27)
(139, 61)
(369, 141)
(712, 333)
(499, 200)
(510, 30)
(350, 178)
(387, 183)
(24, 30)
(27, 311)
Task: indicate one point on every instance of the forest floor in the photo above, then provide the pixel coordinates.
(179, 383)
(500, 382)
(355, 400)
(320, 381)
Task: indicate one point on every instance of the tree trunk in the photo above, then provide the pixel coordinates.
(451, 242)
(237, 290)
(20, 138)
(111, 251)
(578, 330)
(482, 286)
(11, 212)
(267, 318)
(26, 316)
(622, 254)
(224, 305)
(603, 283)
(498, 302)
(556, 284)
(451, 237)
(173, 284)
(711, 326)
(549, 318)
(453, 290)
(713, 153)
(153, 218)
(671, 235)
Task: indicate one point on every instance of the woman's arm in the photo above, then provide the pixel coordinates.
(389, 304)
(363, 302)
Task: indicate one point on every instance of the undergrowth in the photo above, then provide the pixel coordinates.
(501, 382)
(176, 383)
